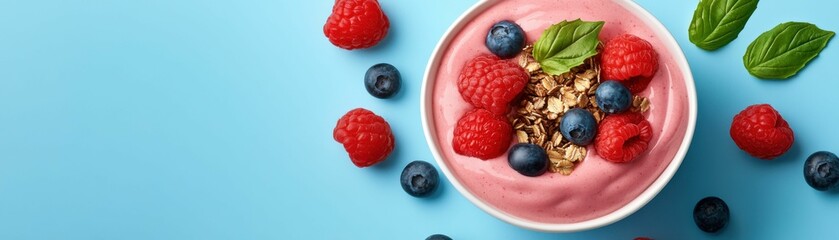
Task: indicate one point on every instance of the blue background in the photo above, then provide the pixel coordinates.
(204, 119)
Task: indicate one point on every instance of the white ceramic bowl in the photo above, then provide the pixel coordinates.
(624, 211)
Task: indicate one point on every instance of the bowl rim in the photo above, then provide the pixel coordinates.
(642, 199)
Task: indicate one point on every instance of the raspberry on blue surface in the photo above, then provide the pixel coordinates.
(366, 137)
(762, 132)
(356, 24)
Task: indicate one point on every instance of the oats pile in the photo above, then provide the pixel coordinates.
(546, 98)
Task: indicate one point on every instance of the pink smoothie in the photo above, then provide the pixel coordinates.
(596, 187)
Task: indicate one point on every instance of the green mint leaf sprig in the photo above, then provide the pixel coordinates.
(718, 22)
(566, 45)
(781, 52)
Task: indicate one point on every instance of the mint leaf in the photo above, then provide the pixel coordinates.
(566, 45)
(718, 22)
(781, 52)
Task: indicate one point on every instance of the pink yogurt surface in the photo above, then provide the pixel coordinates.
(597, 187)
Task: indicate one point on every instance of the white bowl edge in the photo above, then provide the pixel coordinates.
(426, 96)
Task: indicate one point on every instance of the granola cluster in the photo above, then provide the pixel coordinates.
(545, 100)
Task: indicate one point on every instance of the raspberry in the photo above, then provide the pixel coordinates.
(762, 132)
(356, 24)
(488, 82)
(482, 134)
(623, 137)
(631, 60)
(365, 135)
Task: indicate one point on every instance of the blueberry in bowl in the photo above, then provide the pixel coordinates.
(505, 39)
(613, 97)
(528, 159)
(578, 126)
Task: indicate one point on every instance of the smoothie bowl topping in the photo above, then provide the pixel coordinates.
(545, 100)
(556, 96)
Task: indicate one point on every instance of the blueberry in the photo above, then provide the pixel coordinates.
(419, 179)
(505, 39)
(528, 159)
(382, 80)
(613, 97)
(821, 171)
(438, 237)
(711, 214)
(578, 126)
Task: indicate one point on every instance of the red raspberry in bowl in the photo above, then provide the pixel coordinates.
(630, 60)
(482, 134)
(356, 24)
(762, 132)
(488, 82)
(623, 137)
(365, 135)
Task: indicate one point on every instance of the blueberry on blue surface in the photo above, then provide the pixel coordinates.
(613, 97)
(419, 179)
(578, 126)
(821, 171)
(438, 237)
(382, 80)
(528, 159)
(505, 39)
(711, 214)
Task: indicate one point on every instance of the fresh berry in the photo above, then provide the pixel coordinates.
(365, 135)
(821, 171)
(711, 214)
(382, 80)
(578, 126)
(491, 83)
(528, 159)
(419, 179)
(505, 39)
(482, 134)
(356, 24)
(613, 97)
(630, 60)
(623, 137)
(438, 237)
(762, 132)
